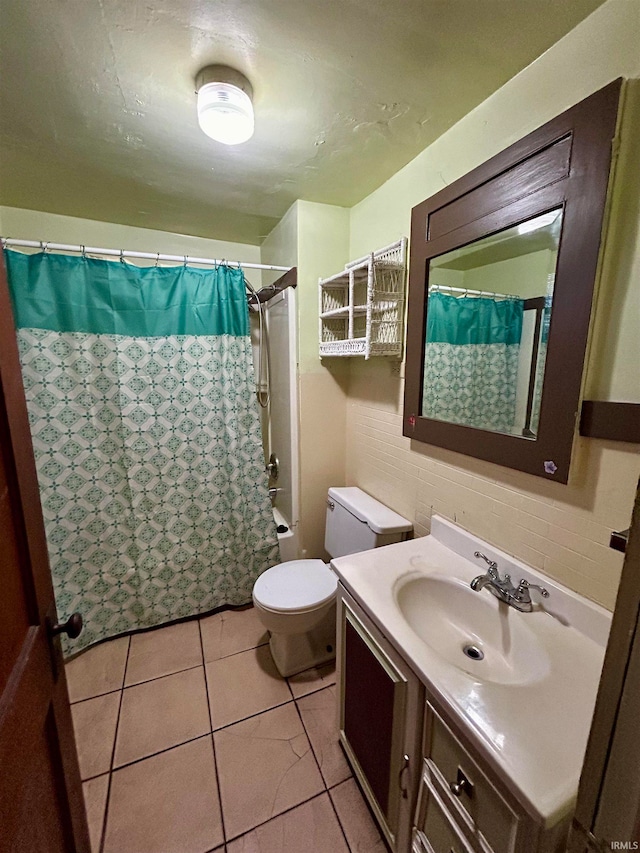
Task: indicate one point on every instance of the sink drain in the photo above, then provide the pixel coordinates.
(473, 652)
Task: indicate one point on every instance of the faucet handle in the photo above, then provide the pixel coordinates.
(522, 593)
(493, 566)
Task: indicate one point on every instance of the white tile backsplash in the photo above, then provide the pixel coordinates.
(561, 530)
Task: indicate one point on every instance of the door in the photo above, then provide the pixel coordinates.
(607, 813)
(41, 806)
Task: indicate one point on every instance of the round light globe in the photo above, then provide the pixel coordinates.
(225, 113)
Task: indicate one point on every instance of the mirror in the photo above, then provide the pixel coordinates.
(501, 279)
(488, 313)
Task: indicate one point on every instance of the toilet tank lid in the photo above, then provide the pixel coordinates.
(379, 517)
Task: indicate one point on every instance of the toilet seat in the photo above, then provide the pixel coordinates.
(295, 586)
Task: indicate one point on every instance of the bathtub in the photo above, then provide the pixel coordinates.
(288, 540)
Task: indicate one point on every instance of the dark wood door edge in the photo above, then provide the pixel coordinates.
(613, 421)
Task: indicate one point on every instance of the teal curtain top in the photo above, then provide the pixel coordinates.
(78, 294)
(473, 320)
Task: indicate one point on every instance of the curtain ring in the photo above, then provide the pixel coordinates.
(185, 260)
(83, 251)
(46, 248)
(157, 258)
(121, 256)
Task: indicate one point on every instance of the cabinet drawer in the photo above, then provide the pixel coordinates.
(483, 814)
(434, 831)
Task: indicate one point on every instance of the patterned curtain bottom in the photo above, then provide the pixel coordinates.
(151, 475)
(474, 384)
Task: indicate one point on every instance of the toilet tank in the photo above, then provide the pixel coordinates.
(357, 522)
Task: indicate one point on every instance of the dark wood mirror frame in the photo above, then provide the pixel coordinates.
(565, 163)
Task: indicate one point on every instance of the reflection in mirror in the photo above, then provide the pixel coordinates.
(488, 313)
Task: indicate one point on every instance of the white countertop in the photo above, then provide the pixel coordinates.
(533, 734)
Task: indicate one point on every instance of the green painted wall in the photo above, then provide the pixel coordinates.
(53, 228)
(563, 530)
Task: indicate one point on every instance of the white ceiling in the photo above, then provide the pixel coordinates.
(97, 106)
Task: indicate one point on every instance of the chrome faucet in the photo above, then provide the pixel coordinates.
(518, 597)
(521, 599)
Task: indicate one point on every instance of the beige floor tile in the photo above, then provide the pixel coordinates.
(319, 713)
(98, 670)
(95, 799)
(231, 631)
(265, 766)
(244, 684)
(312, 679)
(166, 804)
(309, 828)
(94, 724)
(361, 830)
(162, 713)
(163, 651)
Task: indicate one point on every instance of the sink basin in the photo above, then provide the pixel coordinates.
(471, 630)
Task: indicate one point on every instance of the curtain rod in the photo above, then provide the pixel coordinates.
(122, 253)
(468, 292)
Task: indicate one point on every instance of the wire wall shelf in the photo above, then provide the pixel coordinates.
(362, 307)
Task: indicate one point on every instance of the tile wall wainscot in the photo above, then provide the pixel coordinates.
(561, 530)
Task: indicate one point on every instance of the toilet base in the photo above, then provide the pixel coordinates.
(293, 653)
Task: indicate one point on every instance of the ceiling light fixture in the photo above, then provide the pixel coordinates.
(225, 108)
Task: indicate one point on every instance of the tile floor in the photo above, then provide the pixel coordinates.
(189, 742)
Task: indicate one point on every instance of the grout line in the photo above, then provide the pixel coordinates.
(94, 696)
(251, 716)
(341, 782)
(335, 811)
(322, 686)
(213, 743)
(276, 816)
(286, 681)
(233, 654)
(103, 833)
(163, 675)
(313, 752)
(161, 751)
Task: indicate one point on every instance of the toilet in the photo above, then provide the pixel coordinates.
(296, 600)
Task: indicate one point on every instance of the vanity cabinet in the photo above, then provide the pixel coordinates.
(379, 720)
(460, 806)
(427, 786)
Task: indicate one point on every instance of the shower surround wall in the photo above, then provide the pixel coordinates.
(562, 530)
(283, 420)
(280, 418)
(314, 237)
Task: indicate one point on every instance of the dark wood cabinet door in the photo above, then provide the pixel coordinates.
(372, 716)
(41, 807)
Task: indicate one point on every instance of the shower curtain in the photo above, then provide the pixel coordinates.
(472, 350)
(139, 386)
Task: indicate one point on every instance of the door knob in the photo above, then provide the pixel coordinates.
(71, 627)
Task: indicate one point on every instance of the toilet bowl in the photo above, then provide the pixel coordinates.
(294, 597)
(296, 603)
(296, 600)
